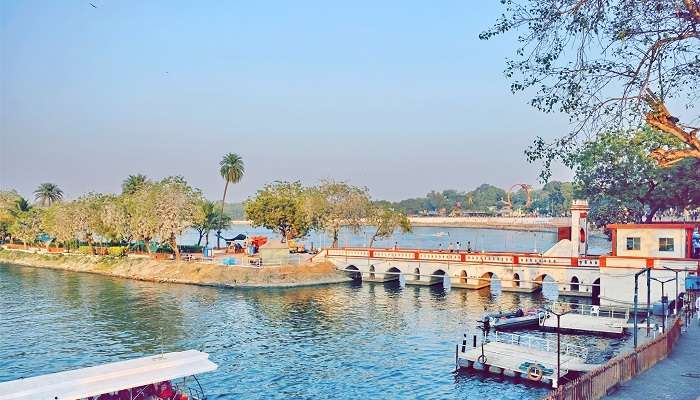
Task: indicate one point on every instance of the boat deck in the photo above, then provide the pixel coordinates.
(586, 324)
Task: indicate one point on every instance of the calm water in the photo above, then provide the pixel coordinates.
(432, 238)
(344, 341)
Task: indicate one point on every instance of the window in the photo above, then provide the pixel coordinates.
(665, 244)
(633, 243)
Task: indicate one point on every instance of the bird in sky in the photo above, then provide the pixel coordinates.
(93, 5)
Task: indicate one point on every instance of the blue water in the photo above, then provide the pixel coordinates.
(429, 238)
(347, 341)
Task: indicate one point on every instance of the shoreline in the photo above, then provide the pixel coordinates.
(190, 273)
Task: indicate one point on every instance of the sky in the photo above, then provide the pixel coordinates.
(398, 96)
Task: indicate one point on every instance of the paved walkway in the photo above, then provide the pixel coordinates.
(677, 377)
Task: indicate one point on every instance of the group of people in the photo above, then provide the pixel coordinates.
(456, 247)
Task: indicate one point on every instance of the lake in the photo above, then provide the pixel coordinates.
(346, 341)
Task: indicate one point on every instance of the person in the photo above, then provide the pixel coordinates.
(440, 247)
(469, 247)
(458, 247)
(697, 308)
(450, 248)
(396, 245)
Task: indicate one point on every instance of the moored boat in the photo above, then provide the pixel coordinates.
(514, 319)
(168, 376)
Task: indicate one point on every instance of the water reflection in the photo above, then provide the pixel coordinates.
(356, 340)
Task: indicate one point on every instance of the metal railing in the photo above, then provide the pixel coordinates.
(542, 344)
(596, 384)
(592, 310)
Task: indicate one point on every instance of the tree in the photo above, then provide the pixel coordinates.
(11, 203)
(279, 207)
(332, 205)
(615, 173)
(142, 223)
(486, 197)
(177, 207)
(48, 193)
(386, 221)
(609, 65)
(27, 226)
(133, 183)
(58, 222)
(232, 170)
(210, 218)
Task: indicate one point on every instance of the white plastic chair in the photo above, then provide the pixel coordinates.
(595, 310)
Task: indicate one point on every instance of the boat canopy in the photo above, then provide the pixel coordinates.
(107, 378)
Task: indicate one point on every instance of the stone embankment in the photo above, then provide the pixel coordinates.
(195, 273)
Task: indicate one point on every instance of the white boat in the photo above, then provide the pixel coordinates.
(143, 378)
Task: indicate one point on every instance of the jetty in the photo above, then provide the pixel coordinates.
(521, 356)
(586, 318)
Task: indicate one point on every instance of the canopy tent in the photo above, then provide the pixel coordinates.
(106, 378)
(240, 236)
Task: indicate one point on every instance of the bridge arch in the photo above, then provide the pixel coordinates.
(595, 292)
(354, 272)
(487, 278)
(574, 286)
(463, 277)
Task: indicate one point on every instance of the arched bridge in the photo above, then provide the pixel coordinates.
(517, 272)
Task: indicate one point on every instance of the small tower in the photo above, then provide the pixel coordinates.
(579, 228)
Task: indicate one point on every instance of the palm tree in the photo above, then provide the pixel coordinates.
(48, 193)
(133, 183)
(232, 170)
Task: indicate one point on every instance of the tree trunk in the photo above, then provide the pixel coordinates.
(218, 232)
(199, 241)
(652, 212)
(147, 245)
(173, 244)
(206, 240)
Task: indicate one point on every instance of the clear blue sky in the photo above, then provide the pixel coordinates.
(400, 96)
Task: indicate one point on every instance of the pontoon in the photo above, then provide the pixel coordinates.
(168, 376)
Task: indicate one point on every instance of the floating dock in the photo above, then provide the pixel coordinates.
(522, 356)
(584, 318)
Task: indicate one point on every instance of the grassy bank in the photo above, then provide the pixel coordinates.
(181, 272)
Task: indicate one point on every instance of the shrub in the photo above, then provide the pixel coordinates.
(86, 250)
(117, 251)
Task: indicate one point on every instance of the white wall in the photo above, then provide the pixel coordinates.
(649, 246)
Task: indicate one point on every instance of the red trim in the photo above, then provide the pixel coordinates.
(689, 242)
(602, 261)
(371, 254)
(516, 260)
(650, 263)
(657, 225)
(614, 242)
(574, 261)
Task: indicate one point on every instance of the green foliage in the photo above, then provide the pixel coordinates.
(48, 193)
(333, 205)
(387, 221)
(596, 61)
(280, 207)
(133, 183)
(117, 251)
(624, 184)
(87, 250)
(209, 218)
(27, 225)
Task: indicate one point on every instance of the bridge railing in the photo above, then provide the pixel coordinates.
(542, 344)
(596, 384)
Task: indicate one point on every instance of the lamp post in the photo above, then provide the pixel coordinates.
(663, 300)
(676, 302)
(559, 315)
